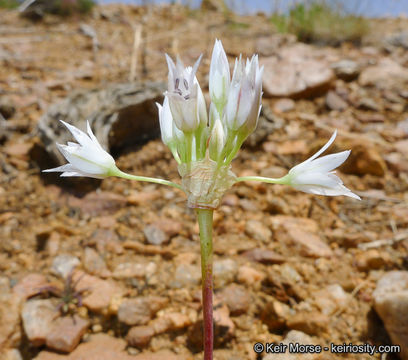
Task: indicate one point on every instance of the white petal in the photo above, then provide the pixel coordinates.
(324, 164)
(66, 167)
(324, 148)
(318, 190)
(329, 162)
(78, 162)
(79, 135)
(166, 121)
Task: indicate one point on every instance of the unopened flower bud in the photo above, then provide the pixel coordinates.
(217, 140)
(244, 99)
(219, 81)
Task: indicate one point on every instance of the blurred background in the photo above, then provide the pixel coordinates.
(110, 269)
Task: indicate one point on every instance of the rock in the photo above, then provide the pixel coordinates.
(296, 73)
(271, 44)
(7, 108)
(170, 227)
(365, 159)
(275, 205)
(94, 264)
(18, 150)
(99, 347)
(10, 333)
(154, 235)
(258, 231)
(284, 105)
(311, 323)
(267, 124)
(386, 75)
(38, 318)
(396, 162)
(224, 271)
(250, 276)
(170, 321)
(143, 197)
(293, 337)
(106, 240)
(139, 311)
(331, 299)
(399, 39)
(372, 259)
(66, 333)
(302, 234)
(11, 354)
(368, 104)
(63, 265)
(335, 102)
(347, 70)
(391, 304)
(134, 270)
(236, 298)
(139, 336)
(371, 117)
(224, 330)
(402, 147)
(291, 147)
(30, 285)
(100, 293)
(98, 203)
(275, 315)
(264, 256)
(116, 113)
(177, 321)
(186, 275)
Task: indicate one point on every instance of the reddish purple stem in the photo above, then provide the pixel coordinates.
(208, 313)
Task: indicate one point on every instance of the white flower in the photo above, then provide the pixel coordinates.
(186, 99)
(220, 78)
(245, 94)
(166, 121)
(316, 175)
(87, 158)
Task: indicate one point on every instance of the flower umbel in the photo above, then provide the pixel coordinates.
(87, 158)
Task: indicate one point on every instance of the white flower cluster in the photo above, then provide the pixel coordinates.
(234, 109)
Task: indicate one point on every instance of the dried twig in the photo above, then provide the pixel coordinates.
(378, 243)
(135, 52)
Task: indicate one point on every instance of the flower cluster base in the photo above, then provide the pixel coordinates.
(205, 182)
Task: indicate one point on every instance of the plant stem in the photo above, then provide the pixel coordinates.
(205, 221)
(282, 180)
(122, 174)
